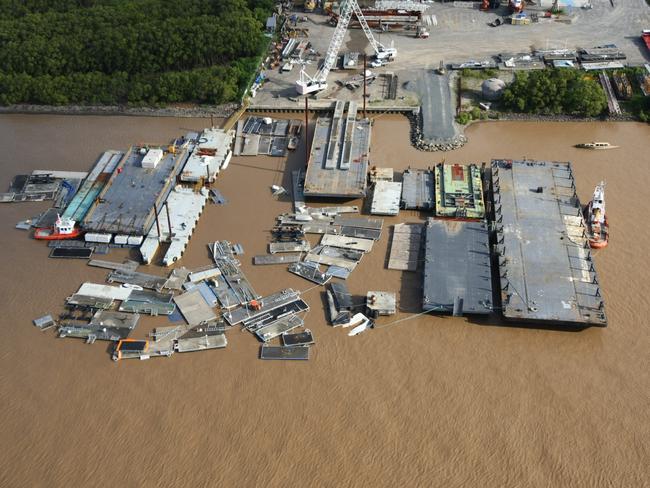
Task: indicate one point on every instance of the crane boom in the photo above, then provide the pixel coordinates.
(307, 84)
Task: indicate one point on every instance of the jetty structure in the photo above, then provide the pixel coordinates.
(338, 161)
(546, 270)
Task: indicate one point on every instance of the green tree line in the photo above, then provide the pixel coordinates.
(554, 92)
(119, 51)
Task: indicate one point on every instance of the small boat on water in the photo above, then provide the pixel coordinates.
(597, 226)
(295, 126)
(365, 324)
(595, 145)
(62, 229)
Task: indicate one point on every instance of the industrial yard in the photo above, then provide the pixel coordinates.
(413, 63)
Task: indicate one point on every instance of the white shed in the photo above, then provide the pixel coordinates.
(152, 158)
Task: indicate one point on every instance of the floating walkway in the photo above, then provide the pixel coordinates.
(547, 273)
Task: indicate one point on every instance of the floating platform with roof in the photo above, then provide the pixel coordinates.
(459, 191)
(136, 190)
(338, 163)
(546, 269)
(457, 275)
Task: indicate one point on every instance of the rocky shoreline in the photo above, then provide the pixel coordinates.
(422, 144)
(220, 111)
(460, 140)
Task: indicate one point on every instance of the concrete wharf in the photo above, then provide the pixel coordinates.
(457, 274)
(131, 197)
(547, 273)
(338, 161)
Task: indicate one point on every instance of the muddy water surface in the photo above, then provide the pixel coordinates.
(427, 401)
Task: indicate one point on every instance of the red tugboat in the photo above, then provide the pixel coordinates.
(597, 226)
(62, 229)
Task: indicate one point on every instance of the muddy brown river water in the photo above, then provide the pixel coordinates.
(428, 401)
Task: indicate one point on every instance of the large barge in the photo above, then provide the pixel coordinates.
(338, 162)
(546, 270)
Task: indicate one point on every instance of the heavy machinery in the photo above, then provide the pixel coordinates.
(307, 84)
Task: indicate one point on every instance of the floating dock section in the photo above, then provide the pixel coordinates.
(386, 198)
(182, 211)
(92, 186)
(210, 154)
(546, 269)
(459, 191)
(417, 189)
(457, 277)
(405, 247)
(129, 201)
(338, 162)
